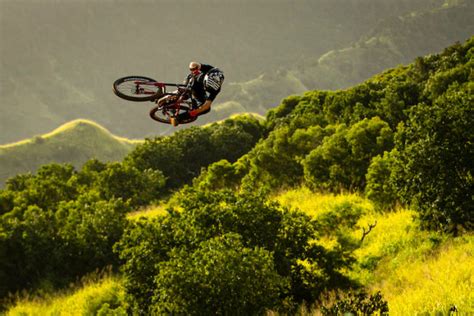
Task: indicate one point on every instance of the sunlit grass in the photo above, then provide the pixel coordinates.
(315, 204)
(152, 211)
(94, 296)
(433, 283)
(418, 272)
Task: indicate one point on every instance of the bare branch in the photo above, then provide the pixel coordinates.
(365, 233)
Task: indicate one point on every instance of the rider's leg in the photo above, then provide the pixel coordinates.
(174, 121)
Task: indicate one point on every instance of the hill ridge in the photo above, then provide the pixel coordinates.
(65, 128)
(74, 142)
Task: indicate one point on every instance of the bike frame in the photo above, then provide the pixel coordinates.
(181, 94)
(161, 85)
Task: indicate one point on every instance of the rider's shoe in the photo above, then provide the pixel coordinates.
(174, 121)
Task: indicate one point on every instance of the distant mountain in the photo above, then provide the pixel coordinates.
(58, 59)
(74, 142)
(393, 41)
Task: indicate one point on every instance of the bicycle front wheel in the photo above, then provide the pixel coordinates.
(137, 88)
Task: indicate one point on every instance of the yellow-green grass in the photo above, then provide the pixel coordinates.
(434, 283)
(316, 204)
(74, 142)
(418, 273)
(87, 300)
(152, 211)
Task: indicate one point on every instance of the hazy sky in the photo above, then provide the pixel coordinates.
(59, 58)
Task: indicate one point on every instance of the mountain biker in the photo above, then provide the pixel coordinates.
(206, 85)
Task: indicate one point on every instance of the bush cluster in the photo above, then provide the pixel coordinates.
(60, 223)
(224, 253)
(182, 156)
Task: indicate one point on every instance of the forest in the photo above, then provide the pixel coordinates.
(224, 244)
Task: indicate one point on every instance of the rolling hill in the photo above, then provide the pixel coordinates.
(74, 143)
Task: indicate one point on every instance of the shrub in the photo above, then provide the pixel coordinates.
(170, 247)
(380, 188)
(222, 277)
(359, 303)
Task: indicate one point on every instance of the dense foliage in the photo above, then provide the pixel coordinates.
(237, 251)
(435, 152)
(60, 223)
(404, 136)
(180, 157)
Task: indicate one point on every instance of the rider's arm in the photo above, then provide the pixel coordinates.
(186, 80)
(205, 107)
(212, 94)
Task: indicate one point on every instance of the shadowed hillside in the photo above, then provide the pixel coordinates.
(74, 142)
(392, 41)
(58, 59)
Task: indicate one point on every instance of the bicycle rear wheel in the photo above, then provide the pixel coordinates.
(137, 88)
(163, 112)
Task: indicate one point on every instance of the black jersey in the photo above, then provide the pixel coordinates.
(205, 69)
(199, 86)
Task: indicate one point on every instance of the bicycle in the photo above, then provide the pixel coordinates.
(169, 105)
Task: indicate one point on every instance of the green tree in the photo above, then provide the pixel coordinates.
(181, 157)
(218, 176)
(46, 188)
(434, 164)
(272, 163)
(87, 228)
(342, 160)
(325, 167)
(221, 277)
(139, 188)
(380, 188)
(147, 246)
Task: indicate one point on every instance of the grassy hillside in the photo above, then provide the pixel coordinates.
(91, 298)
(417, 272)
(74, 142)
